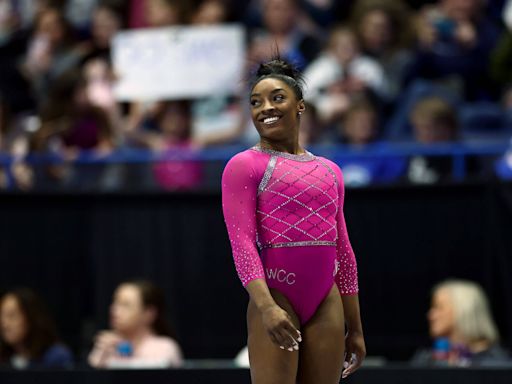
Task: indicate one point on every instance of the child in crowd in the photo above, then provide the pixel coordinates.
(340, 74)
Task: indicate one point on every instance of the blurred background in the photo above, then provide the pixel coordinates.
(117, 118)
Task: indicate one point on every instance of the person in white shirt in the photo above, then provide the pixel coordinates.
(340, 73)
(140, 336)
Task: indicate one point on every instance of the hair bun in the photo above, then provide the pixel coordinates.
(283, 70)
(278, 67)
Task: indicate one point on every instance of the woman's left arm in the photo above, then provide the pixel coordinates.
(347, 282)
(355, 348)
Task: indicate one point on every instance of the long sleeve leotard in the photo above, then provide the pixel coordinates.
(284, 216)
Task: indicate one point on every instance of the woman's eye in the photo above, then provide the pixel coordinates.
(278, 97)
(254, 103)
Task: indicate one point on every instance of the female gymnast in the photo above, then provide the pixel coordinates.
(283, 208)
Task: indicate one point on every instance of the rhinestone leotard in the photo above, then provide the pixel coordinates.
(284, 216)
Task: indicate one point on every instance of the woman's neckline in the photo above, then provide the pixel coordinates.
(306, 156)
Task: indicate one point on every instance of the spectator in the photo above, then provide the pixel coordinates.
(71, 118)
(434, 121)
(167, 129)
(9, 20)
(140, 335)
(385, 34)
(107, 20)
(210, 12)
(462, 326)
(455, 40)
(325, 12)
(340, 74)
(28, 335)
(153, 14)
(216, 118)
(360, 129)
(501, 62)
(156, 13)
(282, 33)
(360, 124)
(51, 51)
(75, 118)
(32, 55)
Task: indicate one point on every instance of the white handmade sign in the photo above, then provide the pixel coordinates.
(178, 62)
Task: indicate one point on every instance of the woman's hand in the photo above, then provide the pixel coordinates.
(355, 352)
(280, 328)
(107, 341)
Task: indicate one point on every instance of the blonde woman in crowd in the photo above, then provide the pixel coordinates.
(462, 327)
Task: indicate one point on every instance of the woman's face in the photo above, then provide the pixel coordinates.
(279, 16)
(159, 13)
(346, 47)
(360, 127)
(127, 312)
(175, 121)
(210, 13)
(376, 30)
(427, 130)
(441, 315)
(274, 110)
(105, 24)
(50, 26)
(13, 323)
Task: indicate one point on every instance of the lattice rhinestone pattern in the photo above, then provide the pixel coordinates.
(298, 203)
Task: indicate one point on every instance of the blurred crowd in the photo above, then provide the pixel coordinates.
(378, 72)
(461, 327)
(140, 336)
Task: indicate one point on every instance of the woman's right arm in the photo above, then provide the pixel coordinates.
(239, 196)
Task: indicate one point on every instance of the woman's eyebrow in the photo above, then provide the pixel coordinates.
(272, 92)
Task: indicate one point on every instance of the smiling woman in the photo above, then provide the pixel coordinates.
(276, 104)
(283, 208)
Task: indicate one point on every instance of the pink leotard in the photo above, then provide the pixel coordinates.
(284, 216)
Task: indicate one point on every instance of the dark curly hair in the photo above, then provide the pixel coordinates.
(41, 332)
(278, 68)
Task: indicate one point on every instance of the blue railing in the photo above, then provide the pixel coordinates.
(459, 152)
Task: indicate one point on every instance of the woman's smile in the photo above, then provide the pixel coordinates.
(270, 120)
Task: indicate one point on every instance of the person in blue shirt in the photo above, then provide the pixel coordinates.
(28, 334)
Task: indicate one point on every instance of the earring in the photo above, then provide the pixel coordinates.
(300, 113)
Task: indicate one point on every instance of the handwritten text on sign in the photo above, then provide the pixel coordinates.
(178, 62)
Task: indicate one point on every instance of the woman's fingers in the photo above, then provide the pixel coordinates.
(281, 329)
(351, 365)
(284, 340)
(288, 337)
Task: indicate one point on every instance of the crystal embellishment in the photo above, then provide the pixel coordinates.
(297, 205)
(307, 156)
